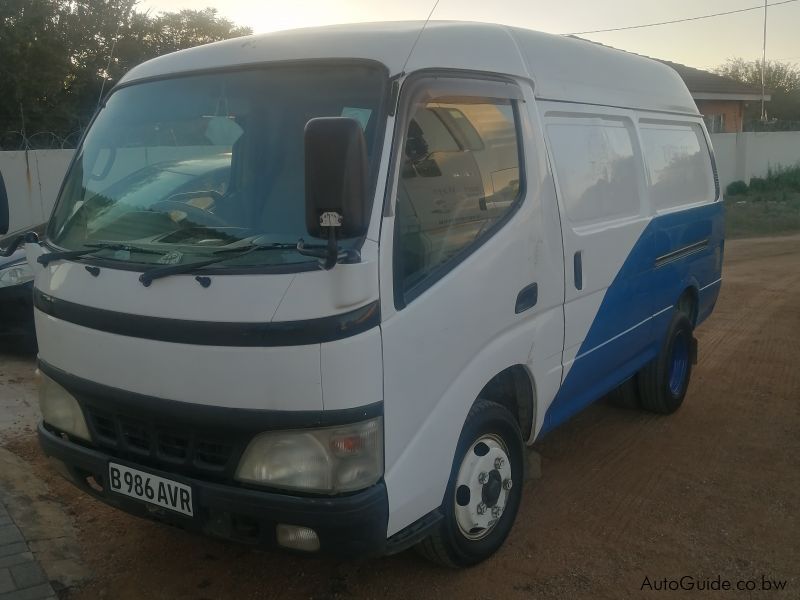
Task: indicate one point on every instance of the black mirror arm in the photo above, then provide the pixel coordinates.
(26, 238)
(330, 256)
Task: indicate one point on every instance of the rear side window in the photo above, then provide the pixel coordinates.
(678, 163)
(460, 174)
(598, 173)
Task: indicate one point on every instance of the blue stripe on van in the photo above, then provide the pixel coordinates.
(690, 245)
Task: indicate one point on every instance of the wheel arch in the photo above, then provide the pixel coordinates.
(514, 388)
(689, 302)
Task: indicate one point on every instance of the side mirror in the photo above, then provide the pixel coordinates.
(4, 216)
(29, 237)
(336, 178)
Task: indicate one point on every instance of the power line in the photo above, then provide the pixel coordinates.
(719, 14)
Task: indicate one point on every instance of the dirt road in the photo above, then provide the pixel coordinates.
(710, 492)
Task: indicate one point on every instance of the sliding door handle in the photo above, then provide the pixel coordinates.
(577, 269)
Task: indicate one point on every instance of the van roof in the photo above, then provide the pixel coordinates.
(562, 68)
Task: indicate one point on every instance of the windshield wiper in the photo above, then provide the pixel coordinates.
(46, 259)
(221, 255)
(315, 250)
(253, 246)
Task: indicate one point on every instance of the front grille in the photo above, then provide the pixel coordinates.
(177, 449)
(104, 427)
(212, 453)
(136, 436)
(173, 447)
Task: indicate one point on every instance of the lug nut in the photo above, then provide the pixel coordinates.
(481, 508)
(482, 478)
(498, 463)
(496, 512)
(507, 484)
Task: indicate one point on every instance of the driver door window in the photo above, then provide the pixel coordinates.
(459, 177)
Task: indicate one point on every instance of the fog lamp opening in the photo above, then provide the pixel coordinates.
(297, 538)
(61, 410)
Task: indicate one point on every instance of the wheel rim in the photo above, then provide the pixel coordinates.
(679, 365)
(483, 486)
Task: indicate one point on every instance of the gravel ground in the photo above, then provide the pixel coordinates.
(19, 405)
(626, 498)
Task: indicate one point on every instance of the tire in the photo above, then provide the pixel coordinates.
(664, 381)
(490, 432)
(627, 395)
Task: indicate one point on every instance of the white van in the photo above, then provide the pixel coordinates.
(318, 288)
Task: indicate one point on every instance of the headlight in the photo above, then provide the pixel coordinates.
(61, 410)
(16, 274)
(330, 460)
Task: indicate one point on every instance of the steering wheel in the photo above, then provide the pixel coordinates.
(202, 216)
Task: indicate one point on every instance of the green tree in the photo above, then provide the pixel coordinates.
(34, 62)
(57, 56)
(782, 82)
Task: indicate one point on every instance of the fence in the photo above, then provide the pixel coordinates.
(32, 179)
(42, 140)
(741, 156)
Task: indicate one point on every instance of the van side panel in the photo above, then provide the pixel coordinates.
(613, 348)
(677, 250)
(608, 247)
(697, 233)
(689, 251)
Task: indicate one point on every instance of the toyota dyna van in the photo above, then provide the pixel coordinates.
(317, 289)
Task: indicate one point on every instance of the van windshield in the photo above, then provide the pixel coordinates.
(194, 164)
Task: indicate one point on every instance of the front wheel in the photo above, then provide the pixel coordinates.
(484, 490)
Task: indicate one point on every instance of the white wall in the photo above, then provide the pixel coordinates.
(741, 156)
(32, 180)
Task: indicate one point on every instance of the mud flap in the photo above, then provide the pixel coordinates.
(693, 350)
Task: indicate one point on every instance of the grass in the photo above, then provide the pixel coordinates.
(768, 206)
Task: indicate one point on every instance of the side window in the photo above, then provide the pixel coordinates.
(460, 174)
(679, 164)
(598, 173)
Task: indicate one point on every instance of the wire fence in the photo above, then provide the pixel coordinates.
(775, 125)
(41, 140)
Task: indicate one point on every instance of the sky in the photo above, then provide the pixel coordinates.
(703, 44)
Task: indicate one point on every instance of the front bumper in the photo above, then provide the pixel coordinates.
(352, 525)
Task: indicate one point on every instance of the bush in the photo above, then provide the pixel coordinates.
(784, 177)
(735, 188)
(758, 184)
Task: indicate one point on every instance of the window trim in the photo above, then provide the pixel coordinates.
(427, 85)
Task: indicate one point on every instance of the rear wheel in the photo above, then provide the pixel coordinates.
(484, 490)
(663, 382)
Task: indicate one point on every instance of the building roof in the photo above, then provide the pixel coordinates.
(704, 85)
(562, 68)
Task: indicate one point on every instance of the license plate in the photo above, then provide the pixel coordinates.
(150, 488)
